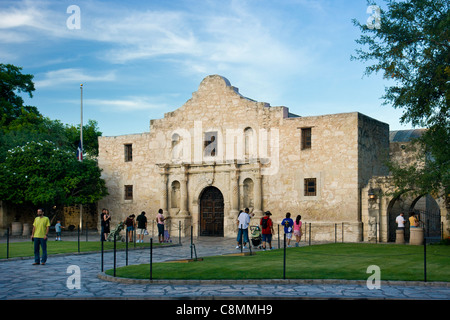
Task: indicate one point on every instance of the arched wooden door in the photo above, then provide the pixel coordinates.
(211, 212)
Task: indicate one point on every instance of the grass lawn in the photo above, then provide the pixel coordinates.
(329, 261)
(25, 249)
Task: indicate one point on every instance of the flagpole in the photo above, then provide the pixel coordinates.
(81, 124)
(81, 143)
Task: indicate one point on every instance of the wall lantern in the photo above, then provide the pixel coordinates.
(372, 195)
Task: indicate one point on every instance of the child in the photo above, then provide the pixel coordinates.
(58, 227)
(288, 223)
(298, 230)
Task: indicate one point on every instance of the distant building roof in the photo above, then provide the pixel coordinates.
(405, 135)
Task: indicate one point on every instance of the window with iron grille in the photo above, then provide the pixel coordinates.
(306, 138)
(128, 192)
(128, 152)
(310, 187)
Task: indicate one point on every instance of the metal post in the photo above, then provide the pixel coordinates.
(81, 145)
(7, 243)
(425, 259)
(241, 240)
(278, 236)
(78, 238)
(310, 233)
(335, 233)
(284, 258)
(151, 258)
(114, 254)
(192, 241)
(376, 232)
(126, 248)
(362, 231)
(102, 253)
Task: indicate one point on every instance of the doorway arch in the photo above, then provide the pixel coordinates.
(211, 212)
(424, 206)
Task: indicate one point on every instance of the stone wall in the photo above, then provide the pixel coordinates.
(258, 161)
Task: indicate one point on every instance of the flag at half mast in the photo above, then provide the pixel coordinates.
(80, 152)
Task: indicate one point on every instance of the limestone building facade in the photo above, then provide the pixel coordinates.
(222, 152)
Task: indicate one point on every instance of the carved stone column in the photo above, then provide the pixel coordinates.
(183, 192)
(234, 191)
(163, 194)
(258, 195)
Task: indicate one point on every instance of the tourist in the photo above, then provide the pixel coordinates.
(400, 220)
(298, 230)
(130, 224)
(105, 219)
(413, 221)
(58, 228)
(39, 236)
(243, 223)
(288, 223)
(141, 227)
(160, 223)
(267, 230)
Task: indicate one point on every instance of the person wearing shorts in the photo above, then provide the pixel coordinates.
(141, 227)
(160, 223)
(130, 223)
(267, 230)
(298, 230)
(288, 223)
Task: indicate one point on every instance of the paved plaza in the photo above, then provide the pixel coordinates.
(19, 280)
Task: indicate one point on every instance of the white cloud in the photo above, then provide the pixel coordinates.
(27, 16)
(129, 104)
(71, 75)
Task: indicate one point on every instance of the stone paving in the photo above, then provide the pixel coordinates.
(19, 280)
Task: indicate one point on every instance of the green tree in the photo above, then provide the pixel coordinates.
(38, 155)
(90, 137)
(41, 173)
(13, 111)
(411, 48)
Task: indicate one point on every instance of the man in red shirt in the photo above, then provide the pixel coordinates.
(267, 230)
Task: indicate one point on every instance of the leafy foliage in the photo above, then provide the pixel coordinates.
(412, 50)
(38, 155)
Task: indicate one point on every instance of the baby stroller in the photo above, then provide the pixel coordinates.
(167, 236)
(116, 232)
(256, 236)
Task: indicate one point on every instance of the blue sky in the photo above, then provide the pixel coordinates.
(140, 59)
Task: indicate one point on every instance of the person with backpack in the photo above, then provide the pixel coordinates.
(288, 223)
(267, 230)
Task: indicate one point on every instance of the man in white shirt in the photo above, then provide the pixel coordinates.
(400, 220)
(243, 223)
